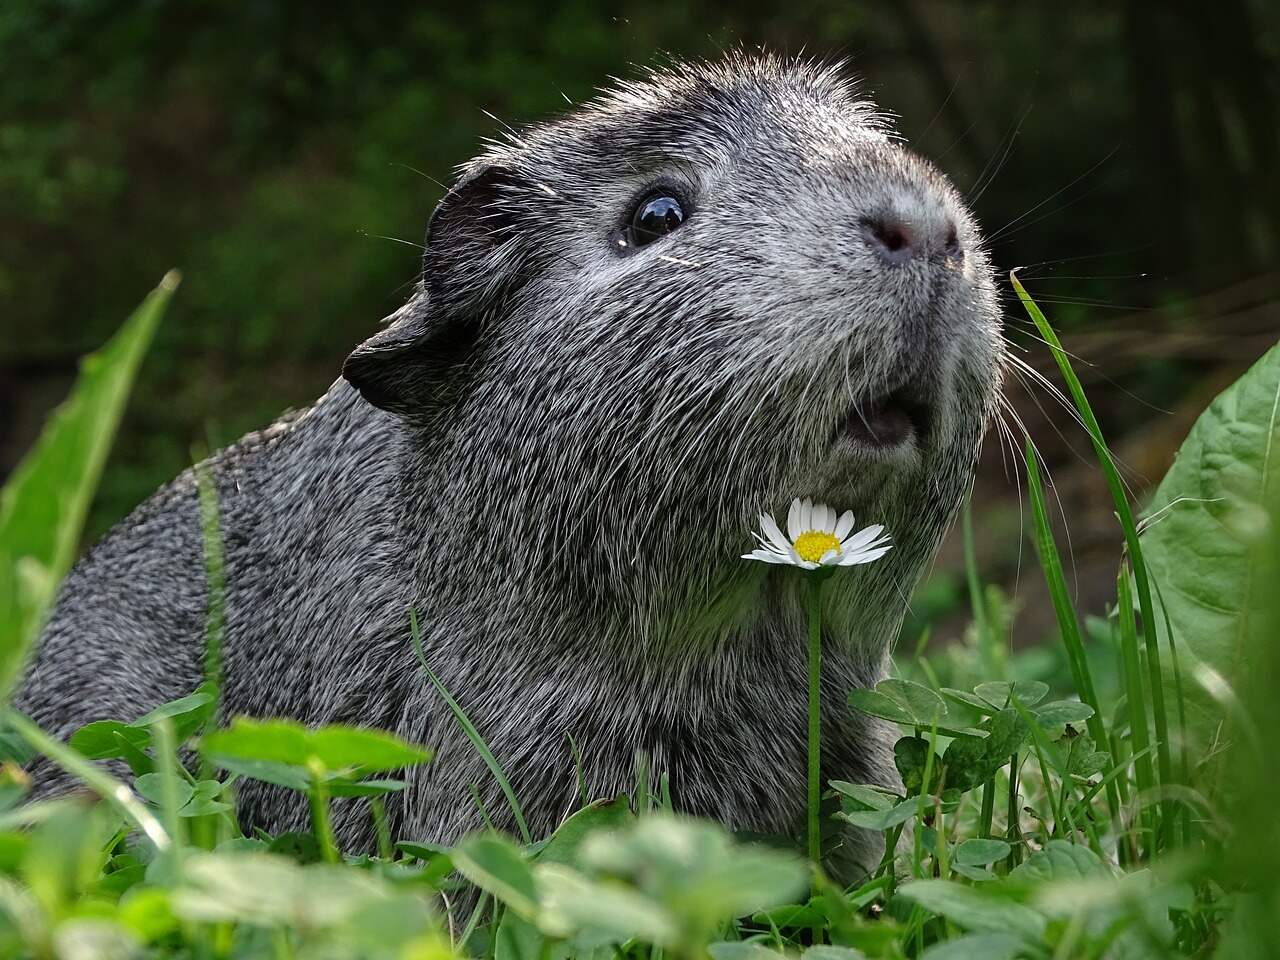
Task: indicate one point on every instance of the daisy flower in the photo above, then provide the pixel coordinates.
(816, 538)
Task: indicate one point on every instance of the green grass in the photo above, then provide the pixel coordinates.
(1046, 816)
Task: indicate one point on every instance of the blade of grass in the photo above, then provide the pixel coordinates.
(1068, 624)
(1013, 829)
(44, 502)
(470, 730)
(988, 808)
(1125, 514)
(1184, 762)
(1138, 731)
(216, 580)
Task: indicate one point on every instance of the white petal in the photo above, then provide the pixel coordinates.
(793, 519)
(844, 525)
(829, 520)
(770, 528)
(830, 558)
(862, 538)
(865, 556)
(806, 515)
(765, 557)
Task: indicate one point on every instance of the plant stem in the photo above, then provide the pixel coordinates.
(1138, 730)
(815, 719)
(319, 796)
(166, 760)
(379, 809)
(1013, 833)
(988, 808)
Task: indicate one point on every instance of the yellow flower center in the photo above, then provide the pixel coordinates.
(812, 545)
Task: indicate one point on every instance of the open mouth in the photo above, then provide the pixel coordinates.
(889, 420)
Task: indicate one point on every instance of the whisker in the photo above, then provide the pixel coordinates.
(1053, 196)
(379, 236)
(976, 192)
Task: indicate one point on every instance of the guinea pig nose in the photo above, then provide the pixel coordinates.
(897, 239)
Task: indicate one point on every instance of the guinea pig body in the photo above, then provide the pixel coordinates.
(709, 291)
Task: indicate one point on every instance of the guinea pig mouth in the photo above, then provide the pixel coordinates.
(888, 420)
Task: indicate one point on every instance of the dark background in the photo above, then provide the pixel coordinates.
(1127, 153)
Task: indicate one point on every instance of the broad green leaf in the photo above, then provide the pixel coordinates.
(1000, 693)
(901, 701)
(146, 912)
(828, 952)
(871, 798)
(496, 865)
(911, 757)
(968, 699)
(600, 815)
(268, 771)
(741, 950)
(200, 806)
(571, 904)
(970, 761)
(187, 713)
(139, 761)
(330, 748)
(101, 740)
(979, 946)
(66, 854)
(518, 938)
(1062, 711)
(1061, 860)
(1083, 760)
(266, 889)
(792, 915)
(150, 787)
(339, 787)
(973, 908)
(43, 506)
(373, 751)
(976, 874)
(883, 819)
(980, 852)
(1202, 535)
(94, 937)
(273, 741)
(695, 868)
(302, 848)
(13, 748)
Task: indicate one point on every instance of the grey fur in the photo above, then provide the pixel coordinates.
(573, 444)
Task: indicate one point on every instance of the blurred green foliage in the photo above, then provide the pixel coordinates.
(268, 148)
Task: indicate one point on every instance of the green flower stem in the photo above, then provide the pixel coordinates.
(319, 796)
(815, 718)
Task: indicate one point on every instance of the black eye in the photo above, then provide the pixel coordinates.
(655, 217)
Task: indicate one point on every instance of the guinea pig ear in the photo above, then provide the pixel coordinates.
(412, 365)
(387, 368)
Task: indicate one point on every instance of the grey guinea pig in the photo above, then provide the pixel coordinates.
(707, 291)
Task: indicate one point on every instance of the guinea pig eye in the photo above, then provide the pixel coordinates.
(655, 217)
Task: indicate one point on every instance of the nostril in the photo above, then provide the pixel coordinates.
(891, 235)
(891, 238)
(898, 240)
